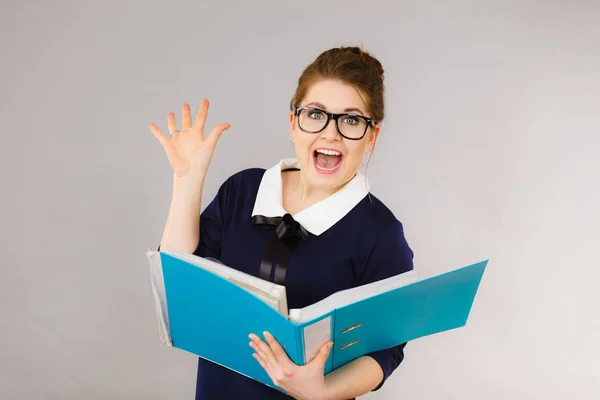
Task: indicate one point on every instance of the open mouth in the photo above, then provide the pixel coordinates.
(327, 161)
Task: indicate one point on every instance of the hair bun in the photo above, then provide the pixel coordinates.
(369, 60)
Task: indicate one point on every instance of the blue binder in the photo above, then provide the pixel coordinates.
(211, 317)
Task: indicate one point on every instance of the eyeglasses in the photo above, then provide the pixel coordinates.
(314, 120)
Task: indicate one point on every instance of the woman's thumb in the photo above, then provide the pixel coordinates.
(325, 351)
(215, 134)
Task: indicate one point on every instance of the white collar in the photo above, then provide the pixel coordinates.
(320, 216)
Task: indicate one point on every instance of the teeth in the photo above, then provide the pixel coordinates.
(329, 152)
(326, 169)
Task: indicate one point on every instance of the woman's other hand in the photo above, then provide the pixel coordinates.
(301, 382)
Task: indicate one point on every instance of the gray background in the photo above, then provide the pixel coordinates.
(490, 150)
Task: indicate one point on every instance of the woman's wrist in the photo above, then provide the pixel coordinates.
(188, 187)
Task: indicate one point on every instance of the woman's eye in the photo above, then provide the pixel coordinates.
(351, 120)
(315, 114)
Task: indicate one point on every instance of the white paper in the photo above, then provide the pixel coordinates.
(349, 296)
(315, 336)
(160, 299)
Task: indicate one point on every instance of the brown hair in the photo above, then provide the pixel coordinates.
(351, 65)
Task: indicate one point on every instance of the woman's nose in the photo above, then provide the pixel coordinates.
(330, 132)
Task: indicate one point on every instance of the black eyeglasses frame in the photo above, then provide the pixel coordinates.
(370, 122)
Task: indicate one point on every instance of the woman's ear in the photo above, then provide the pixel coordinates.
(292, 128)
(373, 138)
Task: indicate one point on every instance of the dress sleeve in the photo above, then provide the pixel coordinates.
(389, 256)
(212, 221)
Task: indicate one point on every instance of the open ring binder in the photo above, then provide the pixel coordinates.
(209, 309)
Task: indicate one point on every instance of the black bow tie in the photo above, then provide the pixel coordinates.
(286, 227)
(287, 231)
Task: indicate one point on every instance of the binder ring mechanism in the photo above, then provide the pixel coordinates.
(349, 344)
(351, 328)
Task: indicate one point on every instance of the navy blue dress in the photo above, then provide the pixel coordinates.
(353, 239)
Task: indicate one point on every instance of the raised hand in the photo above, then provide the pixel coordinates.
(188, 151)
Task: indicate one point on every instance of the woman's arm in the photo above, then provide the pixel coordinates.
(182, 229)
(189, 154)
(354, 379)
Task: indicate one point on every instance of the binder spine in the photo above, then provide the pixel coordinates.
(331, 362)
(300, 347)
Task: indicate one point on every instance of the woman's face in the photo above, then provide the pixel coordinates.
(332, 170)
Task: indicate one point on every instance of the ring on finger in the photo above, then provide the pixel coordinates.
(174, 132)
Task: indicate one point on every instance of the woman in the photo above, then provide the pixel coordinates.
(343, 237)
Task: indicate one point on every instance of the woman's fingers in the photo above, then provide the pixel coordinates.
(162, 138)
(171, 122)
(262, 349)
(201, 116)
(261, 354)
(269, 368)
(277, 350)
(264, 353)
(260, 361)
(186, 118)
(273, 355)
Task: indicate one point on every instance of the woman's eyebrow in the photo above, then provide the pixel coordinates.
(319, 105)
